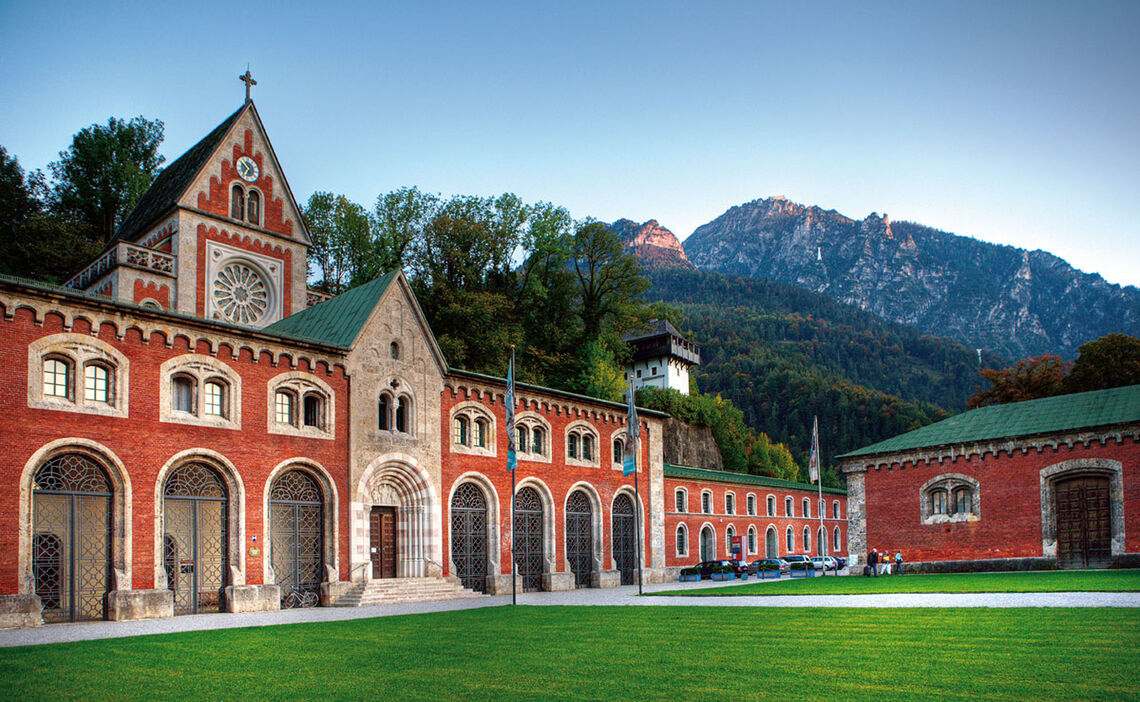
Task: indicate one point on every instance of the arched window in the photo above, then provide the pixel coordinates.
(57, 378)
(790, 539)
(938, 501)
(182, 395)
(403, 415)
(821, 541)
(807, 507)
(751, 505)
(284, 407)
(384, 412)
(835, 509)
(459, 431)
(587, 447)
(581, 443)
(572, 446)
(521, 436)
(538, 445)
(682, 540)
(963, 501)
(253, 208)
(807, 540)
(788, 507)
(771, 506)
(480, 433)
(314, 406)
(729, 533)
(729, 503)
(835, 547)
(214, 397)
(681, 500)
(706, 502)
(751, 540)
(619, 451)
(97, 383)
(394, 351)
(237, 202)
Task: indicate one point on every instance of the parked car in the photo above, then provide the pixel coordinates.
(842, 562)
(825, 563)
(794, 559)
(768, 563)
(707, 567)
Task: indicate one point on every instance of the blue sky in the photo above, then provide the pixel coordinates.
(1013, 122)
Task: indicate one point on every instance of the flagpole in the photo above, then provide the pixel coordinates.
(629, 465)
(822, 533)
(637, 524)
(510, 401)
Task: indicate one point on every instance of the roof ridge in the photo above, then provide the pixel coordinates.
(339, 319)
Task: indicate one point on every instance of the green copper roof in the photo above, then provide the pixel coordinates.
(336, 321)
(724, 476)
(1045, 416)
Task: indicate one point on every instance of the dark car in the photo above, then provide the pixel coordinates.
(772, 564)
(842, 562)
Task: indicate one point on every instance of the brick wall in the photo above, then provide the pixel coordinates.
(1010, 523)
(694, 519)
(144, 444)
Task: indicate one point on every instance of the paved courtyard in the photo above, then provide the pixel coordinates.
(621, 596)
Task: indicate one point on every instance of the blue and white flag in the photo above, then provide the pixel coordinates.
(512, 459)
(813, 461)
(633, 431)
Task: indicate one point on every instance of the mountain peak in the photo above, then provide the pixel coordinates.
(653, 245)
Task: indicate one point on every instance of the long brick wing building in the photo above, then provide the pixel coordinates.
(190, 429)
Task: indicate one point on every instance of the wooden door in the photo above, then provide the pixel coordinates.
(382, 542)
(1084, 529)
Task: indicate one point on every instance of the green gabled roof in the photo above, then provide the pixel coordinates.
(336, 321)
(1049, 415)
(172, 182)
(724, 476)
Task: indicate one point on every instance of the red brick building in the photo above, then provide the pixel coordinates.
(1040, 484)
(191, 430)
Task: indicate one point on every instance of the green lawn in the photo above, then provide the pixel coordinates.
(1041, 581)
(612, 653)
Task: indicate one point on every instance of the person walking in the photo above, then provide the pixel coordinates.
(898, 562)
(873, 561)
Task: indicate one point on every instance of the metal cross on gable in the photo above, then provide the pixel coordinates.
(247, 78)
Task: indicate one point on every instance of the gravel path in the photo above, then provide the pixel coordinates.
(622, 596)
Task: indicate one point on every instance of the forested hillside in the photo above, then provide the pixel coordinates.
(783, 355)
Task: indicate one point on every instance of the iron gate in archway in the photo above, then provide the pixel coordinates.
(771, 550)
(194, 549)
(71, 542)
(580, 537)
(528, 537)
(469, 545)
(624, 539)
(296, 538)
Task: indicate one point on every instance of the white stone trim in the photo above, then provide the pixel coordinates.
(494, 545)
(79, 350)
(597, 524)
(300, 383)
(727, 495)
(532, 419)
(235, 512)
(681, 488)
(418, 516)
(330, 530)
(582, 429)
(473, 411)
(202, 368)
(122, 562)
(949, 482)
(1050, 475)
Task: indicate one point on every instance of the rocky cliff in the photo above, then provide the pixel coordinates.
(688, 445)
(1013, 301)
(655, 246)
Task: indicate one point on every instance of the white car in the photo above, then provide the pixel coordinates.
(825, 563)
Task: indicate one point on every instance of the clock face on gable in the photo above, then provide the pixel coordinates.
(247, 169)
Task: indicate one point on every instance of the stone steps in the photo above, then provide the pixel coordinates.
(403, 590)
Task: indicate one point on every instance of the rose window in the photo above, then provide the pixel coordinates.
(240, 293)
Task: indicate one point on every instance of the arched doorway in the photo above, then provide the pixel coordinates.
(580, 537)
(708, 544)
(469, 547)
(195, 527)
(771, 547)
(528, 539)
(71, 542)
(625, 538)
(296, 538)
(1084, 527)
